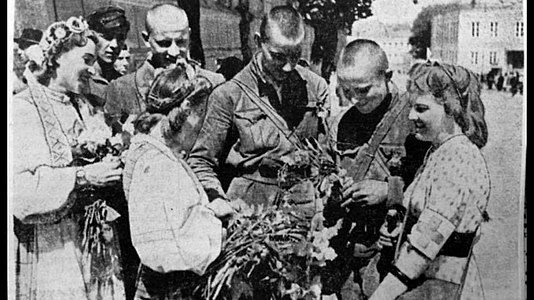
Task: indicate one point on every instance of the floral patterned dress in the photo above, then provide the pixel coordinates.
(447, 199)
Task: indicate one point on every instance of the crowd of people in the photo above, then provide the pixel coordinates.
(509, 81)
(121, 181)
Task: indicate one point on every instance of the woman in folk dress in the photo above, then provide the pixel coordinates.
(48, 119)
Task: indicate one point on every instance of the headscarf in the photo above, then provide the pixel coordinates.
(172, 87)
(458, 89)
(165, 98)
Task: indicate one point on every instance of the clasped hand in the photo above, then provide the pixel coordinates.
(103, 173)
(224, 209)
(365, 192)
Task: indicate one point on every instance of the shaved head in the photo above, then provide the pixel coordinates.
(167, 34)
(363, 75)
(163, 16)
(365, 55)
(284, 20)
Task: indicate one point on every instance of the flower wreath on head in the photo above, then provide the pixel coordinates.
(55, 36)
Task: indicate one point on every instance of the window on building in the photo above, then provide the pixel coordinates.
(474, 57)
(475, 26)
(494, 28)
(519, 29)
(493, 57)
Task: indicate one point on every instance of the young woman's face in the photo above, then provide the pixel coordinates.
(76, 68)
(431, 121)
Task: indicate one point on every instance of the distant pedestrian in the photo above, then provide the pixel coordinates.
(490, 80)
(506, 84)
(514, 83)
(500, 82)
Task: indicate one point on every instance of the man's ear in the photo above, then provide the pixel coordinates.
(257, 39)
(389, 75)
(145, 36)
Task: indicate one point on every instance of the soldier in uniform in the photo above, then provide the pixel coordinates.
(369, 138)
(260, 115)
(446, 202)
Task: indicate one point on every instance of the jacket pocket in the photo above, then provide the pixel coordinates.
(256, 131)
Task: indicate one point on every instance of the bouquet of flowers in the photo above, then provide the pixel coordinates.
(270, 250)
(100, 249)
(311, 163)
(274, 251)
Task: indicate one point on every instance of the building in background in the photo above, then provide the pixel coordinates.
(393, 38)
(484, 37)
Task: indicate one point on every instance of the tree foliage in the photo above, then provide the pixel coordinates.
(422, 27)
(340, 14)
(328, 17)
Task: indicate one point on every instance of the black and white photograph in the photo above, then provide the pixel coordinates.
(266, 149)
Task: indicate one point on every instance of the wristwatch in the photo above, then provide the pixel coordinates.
(80, 177)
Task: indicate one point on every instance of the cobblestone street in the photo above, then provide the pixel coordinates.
(498, 251)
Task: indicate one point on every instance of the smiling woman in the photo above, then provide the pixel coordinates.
(49, 120)
(446, 203)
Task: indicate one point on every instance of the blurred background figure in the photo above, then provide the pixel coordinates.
(490, 80)
(122, 64)
(303, 63)
(28, 37)
(514, 84)
(111, 27)
(500, 82)
(229, 66)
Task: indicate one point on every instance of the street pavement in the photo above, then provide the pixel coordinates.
(499, 250)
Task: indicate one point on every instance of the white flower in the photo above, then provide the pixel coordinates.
(60, 32)
(329, 254)
(77, 24)
(97, 132)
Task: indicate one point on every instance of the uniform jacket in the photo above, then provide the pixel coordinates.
(233, 121)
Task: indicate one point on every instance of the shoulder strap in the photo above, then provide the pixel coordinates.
(366, 153)
(269, 111)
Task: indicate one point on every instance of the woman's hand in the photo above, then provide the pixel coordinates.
(365, 192)
(221, 208)
(103, 173)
